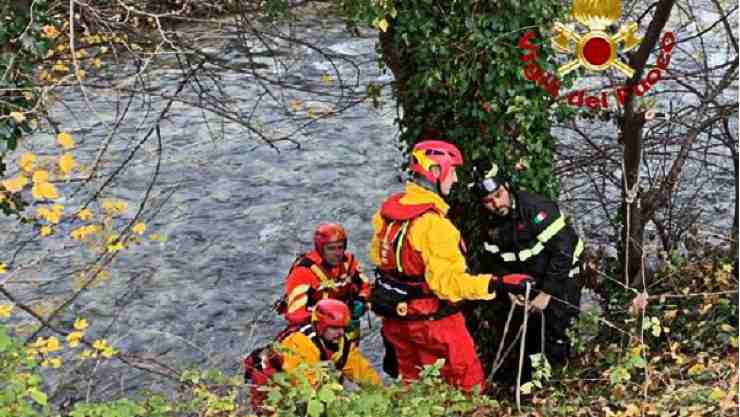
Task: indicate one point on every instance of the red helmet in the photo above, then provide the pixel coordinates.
(330, 313)
(435, 152)
(328, 233)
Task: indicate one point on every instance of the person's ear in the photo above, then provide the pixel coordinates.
(436, 170)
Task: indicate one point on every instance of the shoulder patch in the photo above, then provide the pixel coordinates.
(540, 217)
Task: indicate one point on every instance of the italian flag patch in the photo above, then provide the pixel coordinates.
(540, 217)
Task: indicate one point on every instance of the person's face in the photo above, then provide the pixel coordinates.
(446, 185)
(498, 202)
(333, 334)
(333, 253)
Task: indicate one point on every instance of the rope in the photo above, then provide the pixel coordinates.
(496, 363)
(629, 198)
(521, 348)
(499, 360)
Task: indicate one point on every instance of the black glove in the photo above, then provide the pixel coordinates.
(510, 283)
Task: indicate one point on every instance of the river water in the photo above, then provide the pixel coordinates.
(239, 212)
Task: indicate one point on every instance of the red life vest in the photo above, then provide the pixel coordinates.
(344, 287)
(402, 267)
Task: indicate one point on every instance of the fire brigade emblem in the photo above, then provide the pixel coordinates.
(597, 49)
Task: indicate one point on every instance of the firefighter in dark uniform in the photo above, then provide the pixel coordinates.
(527, 234)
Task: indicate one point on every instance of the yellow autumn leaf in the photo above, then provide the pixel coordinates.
(97, 63)
(45, 190)
(55, 362)
(115, 247)
(73, 339)
(52, 344)
(5, 310)
(41, 176)
(87, 353)
(67, 163)
(80, 324)
(121, 206)
(85, 214)
(59, 67)
(16, 184)
(26, 161)
(108, 352)
(65, 140)
(45, 231)
(100, 344)
(527, 388)
(18, 116)
(717, 394)
(381, 24)
(53, 216)
(139, 228)
(156, 237)
(696, 369)
(3, 268)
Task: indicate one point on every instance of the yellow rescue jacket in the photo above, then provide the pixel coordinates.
(301, 347)
(437, 239)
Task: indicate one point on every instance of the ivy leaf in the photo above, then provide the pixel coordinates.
(37, 395)
(326, 394)
(315, 407)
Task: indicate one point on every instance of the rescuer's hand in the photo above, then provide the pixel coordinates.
(510, 284)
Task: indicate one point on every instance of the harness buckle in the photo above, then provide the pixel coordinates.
(402, 309)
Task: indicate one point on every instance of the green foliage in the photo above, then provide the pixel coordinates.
(21, 392)
(428, 398)
(24, 45)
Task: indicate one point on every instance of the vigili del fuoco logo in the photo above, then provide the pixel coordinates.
(595, 50)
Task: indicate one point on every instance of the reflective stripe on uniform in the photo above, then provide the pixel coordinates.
(298, 291)
(573, 272)
(334, 284)
(551, 230)
(490, 248)
(578, 250)
(527, 253)
(319, 273)
(508, 257)
(297, 304)
(399, 245)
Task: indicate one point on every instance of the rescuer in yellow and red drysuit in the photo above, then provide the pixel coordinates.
(323, 339)
(328, 271)
(421, 273)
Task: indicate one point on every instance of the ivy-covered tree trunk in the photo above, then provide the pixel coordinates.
(458, 77)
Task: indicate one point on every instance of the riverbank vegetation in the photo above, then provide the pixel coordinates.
(664, 339)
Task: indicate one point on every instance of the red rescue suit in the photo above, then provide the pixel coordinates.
(425, 326)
